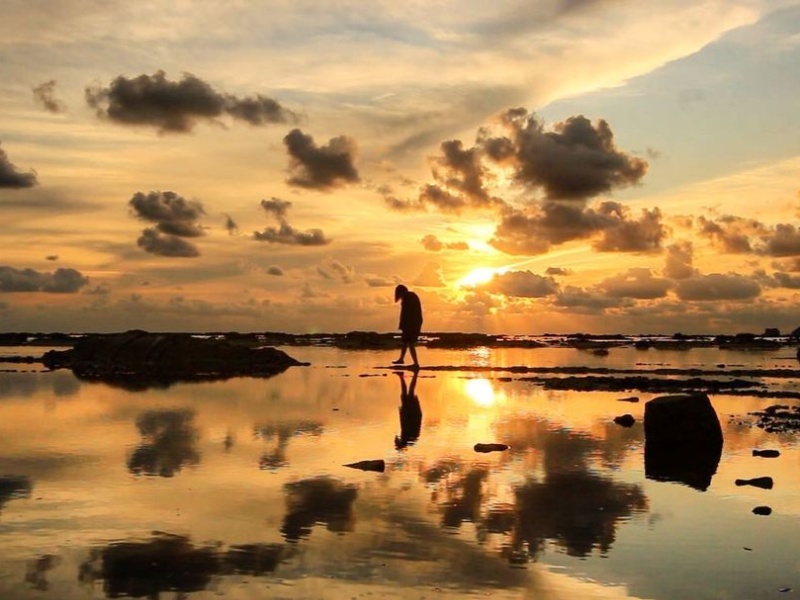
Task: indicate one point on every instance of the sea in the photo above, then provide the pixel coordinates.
(348, 478)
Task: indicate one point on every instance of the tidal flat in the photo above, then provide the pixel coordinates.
(238, 488)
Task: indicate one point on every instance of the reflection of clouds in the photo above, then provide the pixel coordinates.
(36, 571)
(320, 500)
(13, 487)
(169, 443)
(172, 563)
(282, 433)
(27, 384)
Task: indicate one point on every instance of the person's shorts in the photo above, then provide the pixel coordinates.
(409, 336)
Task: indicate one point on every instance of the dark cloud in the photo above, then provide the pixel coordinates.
(161, 244)
(434, 244)
(731, 234)
(575, 161)
(11, 177)
(554, 271)
(45, 94)
(285, 233)
(717, 286)
(637, 283)
(177, 106)
(583, 300)
(170, 211)
(522, 284)
(175, 218)
(61, 281)
(320, 167)
(679, 261)
(400, 205)
(553, 223)
(52, 257)
(784, 241)
(230, 225)
(275, 270)
(785, 280)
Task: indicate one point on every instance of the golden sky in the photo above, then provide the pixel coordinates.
(526, 167)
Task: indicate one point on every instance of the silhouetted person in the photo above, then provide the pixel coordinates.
(410, 323)
(410, 413)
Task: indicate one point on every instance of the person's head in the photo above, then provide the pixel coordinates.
(399, 292)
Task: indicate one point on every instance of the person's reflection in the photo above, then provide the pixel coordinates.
(410, 412)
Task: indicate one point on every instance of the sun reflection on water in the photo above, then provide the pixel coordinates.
(480, 391)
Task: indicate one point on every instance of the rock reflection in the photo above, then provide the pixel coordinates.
(169, 443)
(172, 563)
(13, 487)
(319, 500)
(36, 571)
(282, 433)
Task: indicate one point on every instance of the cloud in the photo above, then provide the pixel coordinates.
(177, 106)
(61, 281)
(320, 167)
(553, 223)
(378, 281)
(275, 270)
(784, 241)
(731, 234)
(785, 280)
(11, 177)
(553, 271)
(157, 243)
(430, 276)
(45, 95)
(285, 233)
(678, 264)
(433, 244)
(334, 269)
(51, 257)
(638, 283)
(576, 160)
(583, 300)
(175, 218)
(230, 225)
(523, 284)
(717, 286)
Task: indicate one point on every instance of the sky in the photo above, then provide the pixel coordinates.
(526, 167)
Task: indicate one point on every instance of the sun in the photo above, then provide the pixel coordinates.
(478, 276)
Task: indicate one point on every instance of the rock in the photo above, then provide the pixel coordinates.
(766, 453)
(625, 420)
(632, 399)
(490, 447)
(762, 510)
(683, 439)
(759, 482)
(378, 465)
(138, 359)
(772, 332)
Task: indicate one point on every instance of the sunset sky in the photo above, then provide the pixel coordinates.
(525, 166)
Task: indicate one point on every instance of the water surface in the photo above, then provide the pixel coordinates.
(238, 488)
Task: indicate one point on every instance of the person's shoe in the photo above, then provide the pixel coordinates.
(398, 362)
(415, 366)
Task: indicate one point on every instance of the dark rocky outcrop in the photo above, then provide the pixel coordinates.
(138, 359)
(492, 447)
(626, 420)
(683, 439)
(765, 483)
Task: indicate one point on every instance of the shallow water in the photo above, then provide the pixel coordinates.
(238, 488)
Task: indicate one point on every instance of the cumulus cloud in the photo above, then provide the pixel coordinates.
(45, 94)
(678, 264)
(583, 300)
(175, 218)
(11, 177)
(730, 233)
(275, 270)
(430, 276)
(285, 233)
(638, 283)
(378, 281)
(433, 244)
(320, 167)
(230, 225)
(52, 257)
(523, 284)
(786, 280)
(717, 286)
(60, 281)
(556, 271)
(553, 223)
(576, 160)
(155, 242)
(784, 241)
(177, 106)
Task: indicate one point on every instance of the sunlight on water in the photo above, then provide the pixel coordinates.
(239, 488)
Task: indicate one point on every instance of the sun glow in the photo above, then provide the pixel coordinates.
(480, 391)
(478, 276)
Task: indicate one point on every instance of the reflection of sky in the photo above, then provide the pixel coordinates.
(570, 493)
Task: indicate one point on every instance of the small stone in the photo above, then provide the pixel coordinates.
(490, 447)
(626, 420)
(762, 510)
(369, 465)
(760, 482)
(767, 453)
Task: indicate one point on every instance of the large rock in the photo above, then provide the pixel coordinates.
(138, 358)
(683, 439)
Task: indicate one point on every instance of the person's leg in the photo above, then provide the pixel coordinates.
(402, 358)
(412, 349)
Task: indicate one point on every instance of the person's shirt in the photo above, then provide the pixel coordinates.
(410, 312)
